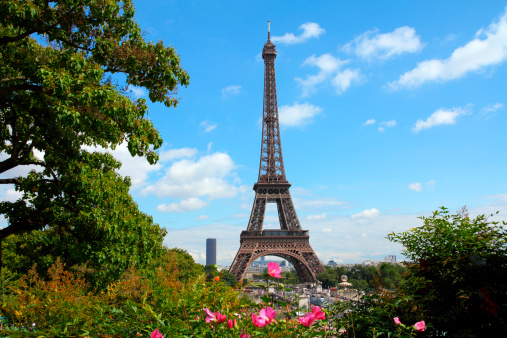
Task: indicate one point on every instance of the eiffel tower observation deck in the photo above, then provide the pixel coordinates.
(290, 242)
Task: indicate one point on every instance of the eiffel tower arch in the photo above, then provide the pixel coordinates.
(291, 242)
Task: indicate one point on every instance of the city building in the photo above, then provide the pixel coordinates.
(390, 259)
(211, 251)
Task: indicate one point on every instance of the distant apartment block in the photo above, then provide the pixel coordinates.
(390, 259)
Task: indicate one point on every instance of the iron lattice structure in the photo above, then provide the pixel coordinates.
(290, 242)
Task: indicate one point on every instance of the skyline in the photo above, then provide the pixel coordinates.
(388, 111)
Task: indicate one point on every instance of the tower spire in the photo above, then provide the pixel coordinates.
(271, 168)
(269, 34)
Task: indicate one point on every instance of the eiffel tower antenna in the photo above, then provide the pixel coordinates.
(269, 34)
(290, 242)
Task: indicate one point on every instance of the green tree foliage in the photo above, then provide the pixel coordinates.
(211, 271)
(290, 277)
(362, 277)
(230, 279)
(106, 232)
(328, 278)
(60, 64)
(456, 273)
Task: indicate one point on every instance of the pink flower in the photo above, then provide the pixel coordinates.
(274, 269)
(244, 335)
(397, 321)
(210, 316)
(268, 314)
(220, 318)
(420, 326)
(156, 334)
(307, 320)
(258, 320)
(231, 324)
(318, 313)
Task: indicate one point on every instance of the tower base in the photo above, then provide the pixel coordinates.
(291, 245)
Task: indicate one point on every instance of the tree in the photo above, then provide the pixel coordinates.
(230, 279)
(211, 271)
(106, 234)
(61, 64)
(340, 271)
(360, 272)
(455, 269)
(329, 278)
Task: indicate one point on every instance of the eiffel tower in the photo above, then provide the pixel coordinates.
(290, 242)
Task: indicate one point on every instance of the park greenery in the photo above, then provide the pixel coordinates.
(79, 259)
(363, 277)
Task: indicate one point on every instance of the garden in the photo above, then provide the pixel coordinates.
(79, 259)
(451, 288)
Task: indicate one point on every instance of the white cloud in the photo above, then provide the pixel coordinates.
(343, 80)
(230, 91)
(474, 56)
(9, 194)
(137, 168)
(430, 184)
(389, 124)
(368, 213)
(371, 44)
(368, 122)
(137, 92)
(328, 230)
(199, 218)
(329, 71)
(416, 186)
(189, 204)
(440, 117)
(206, 176)
(207, 126)
(310, 30)
(297, 114)
(491, 110)
(173, 154)
(316, 217)
(317, 203)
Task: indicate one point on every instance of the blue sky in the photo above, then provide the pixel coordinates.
(389, 110)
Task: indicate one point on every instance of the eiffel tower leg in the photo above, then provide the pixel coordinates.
(243, 260)
(287, 214)
(257, 216)
(301, 270)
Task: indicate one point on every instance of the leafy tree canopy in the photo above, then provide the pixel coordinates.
(60, 62)
(103, 235)
(455, 273)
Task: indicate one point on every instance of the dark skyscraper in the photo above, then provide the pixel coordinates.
(211, 251)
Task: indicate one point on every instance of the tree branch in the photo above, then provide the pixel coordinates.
(10, 181)
(42, 164)
(29, 223)
(14, 88)
(74, 45)
(17, 78)
(7, 39)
